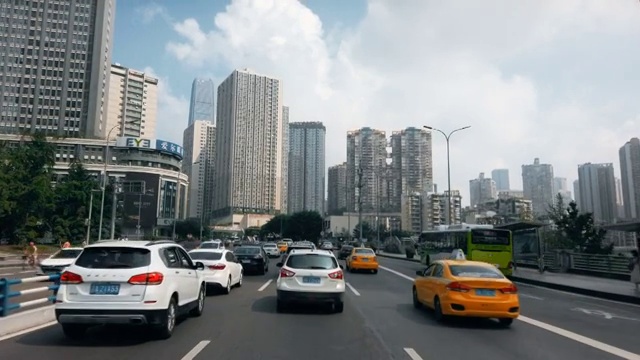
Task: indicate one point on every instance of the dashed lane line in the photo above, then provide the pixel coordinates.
(353, 290)
(413, 354)
(265, 285)
(196, 350)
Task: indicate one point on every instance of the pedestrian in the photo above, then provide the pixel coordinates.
(634, 267)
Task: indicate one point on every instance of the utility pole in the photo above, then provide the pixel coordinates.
(360, 202)
(114, 206)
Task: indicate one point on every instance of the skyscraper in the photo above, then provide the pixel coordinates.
(537, 184)
(199, 141)
(501, 178)
(55, 69)
(412, 164)
(630, 177)
(337, 189)
(132, 103)
(306, 167)
(249, 146)
(202, 101)
(366, 152)
(598, 191)
(482, 190)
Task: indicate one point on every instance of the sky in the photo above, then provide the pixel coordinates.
(548, 79)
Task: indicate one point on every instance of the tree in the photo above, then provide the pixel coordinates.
(190, 227)
(304, 225)
(367, 231)
(580, 232)
(276, 225)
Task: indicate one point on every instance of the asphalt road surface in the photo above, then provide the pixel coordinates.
(379, 322)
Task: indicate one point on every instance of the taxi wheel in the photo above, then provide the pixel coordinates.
(374, 271)
(506, 322)
(437, 310)
(416, 302)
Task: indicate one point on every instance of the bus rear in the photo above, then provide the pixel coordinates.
(494, 246)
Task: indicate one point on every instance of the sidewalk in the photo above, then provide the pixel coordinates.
(610, 289)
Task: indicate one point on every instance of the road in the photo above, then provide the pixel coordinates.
(379, 322)
(19, 272)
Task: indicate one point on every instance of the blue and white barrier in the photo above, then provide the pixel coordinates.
(6, 293)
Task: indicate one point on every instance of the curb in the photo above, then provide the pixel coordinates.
(398, 258)
(29, 319)
(576, 290)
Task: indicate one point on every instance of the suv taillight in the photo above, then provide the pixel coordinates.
(338, 275)
(68, 277)
(284, 273)
(153, 278)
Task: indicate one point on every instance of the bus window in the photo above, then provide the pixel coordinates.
(490, 237)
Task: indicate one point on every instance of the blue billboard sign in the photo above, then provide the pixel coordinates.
(169, 147)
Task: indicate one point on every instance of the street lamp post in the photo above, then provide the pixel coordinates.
(104, 179)
(176, 200)
(447, 137)
(360, 202)
(90, 214)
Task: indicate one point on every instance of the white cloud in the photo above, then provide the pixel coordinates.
(412, 63)
(173, 110)
(151, 11)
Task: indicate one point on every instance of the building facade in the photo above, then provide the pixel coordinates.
(598, 191)
(366, 166)
(437, 212)
(202, 104)
(501, 178)
(306, 171)
(337, 189)
(54, 67)
(630, 178)
(482, 190)
(249, 147)
(199, 141)
(537, 184)
(411, 164)
(132, 105)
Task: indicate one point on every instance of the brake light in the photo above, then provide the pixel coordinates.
(338, 275)
(284, 273)
(153, 278)
(217, 267)
(68, 277)
(511, 289)
(354, 258)
(456, 286)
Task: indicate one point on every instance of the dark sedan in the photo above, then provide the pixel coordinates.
(345, 251)
(252, 258)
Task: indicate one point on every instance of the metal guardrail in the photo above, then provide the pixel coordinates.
(6, 293)
(605, 264)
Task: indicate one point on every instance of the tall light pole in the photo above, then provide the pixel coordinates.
(176, 201)
(447, 137)
(104, 179)
(204, 193)
(90, 213)
(360, 202)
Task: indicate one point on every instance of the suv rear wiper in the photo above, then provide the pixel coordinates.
(317, 268)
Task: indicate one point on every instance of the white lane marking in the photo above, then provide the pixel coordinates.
(581, 339)
(17, 272)
(530, 296)
(356, 293)
(576, 295)
(412, 354)
(559, 331)
(196, 350)
(396, 273)
(603, 314)
(265, 285)
(7, 337)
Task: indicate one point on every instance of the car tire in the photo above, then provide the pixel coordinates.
(281, 307)
(168, 324)
(338, 307)
(416, 302)
(374, 271)
(199, 308)
(262, 271)
(240, 280)
(437, 310)
(74, 331)
(506, 322)
(227, 289)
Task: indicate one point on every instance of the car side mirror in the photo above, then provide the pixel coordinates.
(279, 264)
(199, 266)
(420, 272)
(341, 267)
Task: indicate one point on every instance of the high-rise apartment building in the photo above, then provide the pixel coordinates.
(202, 101)
(306, 167)
(132, 103)
(199, 141)
(598, 191)
(337, 189)
(482, 190)
(619, 199)
(630, 177)
(537, 184)
(366, 167)
(560, 187)
(250, 146)
(54, 68)
(437, 212)
(576, 192)
(411, 164)
(501, 178)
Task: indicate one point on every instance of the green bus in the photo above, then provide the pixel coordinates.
(479, 243)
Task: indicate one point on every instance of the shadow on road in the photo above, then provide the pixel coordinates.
(425, 317)
(267, 305)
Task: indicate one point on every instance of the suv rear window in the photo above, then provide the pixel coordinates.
(299, 247)
(346, 248)
(205, 255)
(311, 261)
(475, 271)
(114, 258)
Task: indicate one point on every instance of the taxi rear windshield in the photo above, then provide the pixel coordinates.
(114, 258)
(475, 271)
(364, 252)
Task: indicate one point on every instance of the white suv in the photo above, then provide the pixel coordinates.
(310, 276)
(148, 283)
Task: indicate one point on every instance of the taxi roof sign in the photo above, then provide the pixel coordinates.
(458, 254)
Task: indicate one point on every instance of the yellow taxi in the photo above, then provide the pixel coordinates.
(457, 287)
(283, 246)
(362, 258)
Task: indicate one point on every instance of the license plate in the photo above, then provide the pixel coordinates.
(104, 289)
(311, 280)
(485, 292)
(364, 259)
(246, 261)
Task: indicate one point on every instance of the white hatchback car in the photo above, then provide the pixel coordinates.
(310, 276)
(221, 268)
(57, 262)
(271, 249)
(148, 283)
